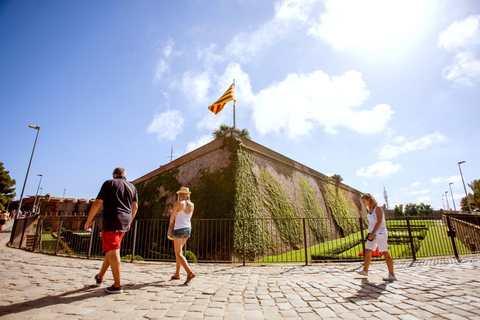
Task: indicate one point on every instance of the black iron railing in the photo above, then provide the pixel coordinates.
(301, 240)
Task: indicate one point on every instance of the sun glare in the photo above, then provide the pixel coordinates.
(375, 27)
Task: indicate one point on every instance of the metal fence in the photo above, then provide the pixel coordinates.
(301, 240)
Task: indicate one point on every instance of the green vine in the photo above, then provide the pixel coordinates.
(151, 205)
(248, 206)
(312, 210)
(282, 210)
(338, 207)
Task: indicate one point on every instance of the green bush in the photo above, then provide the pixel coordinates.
(135, 258)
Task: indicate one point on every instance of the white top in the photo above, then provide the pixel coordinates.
(182, 220)
(372, 221)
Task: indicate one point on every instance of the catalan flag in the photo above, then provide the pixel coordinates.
(220, 103)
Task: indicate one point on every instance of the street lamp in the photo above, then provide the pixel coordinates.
(446, 200)
(28, 170)
(453, 200)
(35, 202)
(466, 195)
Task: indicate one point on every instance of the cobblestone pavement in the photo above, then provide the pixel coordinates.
(38, 286)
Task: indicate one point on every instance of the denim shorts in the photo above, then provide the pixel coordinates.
(182, 233)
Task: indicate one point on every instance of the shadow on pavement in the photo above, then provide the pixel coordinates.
(84, 293)
(369, 290)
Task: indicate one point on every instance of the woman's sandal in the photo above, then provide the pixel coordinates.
(175, 278)
(190, 277)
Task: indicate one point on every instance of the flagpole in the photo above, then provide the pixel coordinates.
(233, 107)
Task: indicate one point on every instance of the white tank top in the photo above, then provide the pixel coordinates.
(372, 222)
(182, 220)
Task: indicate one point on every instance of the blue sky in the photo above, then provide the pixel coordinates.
(384, 93)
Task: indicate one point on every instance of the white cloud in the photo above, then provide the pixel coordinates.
(464, 70)
(291, 10)
(417, 192)
(415, 184)
(351, 23)
(195, 86)
(424, 199)
(402, 146)
(460, 34)
(457, 181)
(167, 125)
(198, 142)
(381, 169)
(287, 13)
(301, 102)
(162, 67)
(460, 37)
(163, 64)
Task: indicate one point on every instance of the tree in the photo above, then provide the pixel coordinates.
(7, 192)
(464, 204)
(337, 178)
(411, 210)
(424, 209)
(398, 211)
(475, 197)
(220, 132)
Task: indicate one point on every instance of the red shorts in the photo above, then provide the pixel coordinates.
(111, 240)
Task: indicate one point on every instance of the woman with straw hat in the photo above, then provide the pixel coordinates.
(181, 215)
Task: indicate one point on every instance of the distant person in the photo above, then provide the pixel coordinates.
(120, 203)
(181, 215)
(377, 236)
(3, 219)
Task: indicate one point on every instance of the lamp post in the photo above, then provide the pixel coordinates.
(35, 202)
(466, 195)
(39, 199)
(453, 200)
(28, 170)
(446, 200)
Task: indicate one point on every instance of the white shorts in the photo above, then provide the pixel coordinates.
(380, 240)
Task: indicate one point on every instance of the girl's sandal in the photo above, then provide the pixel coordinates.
(190, 277)
(175, 278)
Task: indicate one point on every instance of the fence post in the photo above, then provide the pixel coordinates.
(305, 241)
(243, 227)
(89, 253)
(414, 256)
(451, 234)
(134, 239)
(58, 236)
(363, 235)
(36, 234)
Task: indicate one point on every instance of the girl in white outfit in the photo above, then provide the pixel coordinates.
(377, 236)
(181, 215)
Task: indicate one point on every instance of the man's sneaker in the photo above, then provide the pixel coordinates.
(98, 282)
(390, 277)
(362, 273)
(114, 289)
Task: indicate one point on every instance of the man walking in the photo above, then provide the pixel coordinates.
(120, 203)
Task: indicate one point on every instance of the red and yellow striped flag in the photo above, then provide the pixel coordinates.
(220, 103)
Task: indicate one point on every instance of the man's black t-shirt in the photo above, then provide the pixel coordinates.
(117, 204)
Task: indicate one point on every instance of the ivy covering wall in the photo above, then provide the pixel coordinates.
(338, 207)
(151, 205)
(282, 210)
(311, 209)
(248, 205)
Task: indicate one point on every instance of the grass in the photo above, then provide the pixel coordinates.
(434, 242)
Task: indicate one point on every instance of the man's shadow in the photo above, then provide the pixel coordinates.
(369, 290)
(84, 293)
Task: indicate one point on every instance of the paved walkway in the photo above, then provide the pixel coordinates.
(37, 286)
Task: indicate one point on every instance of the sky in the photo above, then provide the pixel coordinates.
(383, 93)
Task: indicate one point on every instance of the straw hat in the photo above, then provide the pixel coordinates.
(184, 190)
